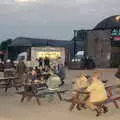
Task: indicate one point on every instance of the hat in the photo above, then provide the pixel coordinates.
(8, 60)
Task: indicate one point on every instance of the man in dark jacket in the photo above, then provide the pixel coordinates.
(47, 61)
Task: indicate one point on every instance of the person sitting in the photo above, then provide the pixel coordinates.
(53, 81)
(38, 72)
(28, 76)
(54, 69)
(81, 83)
(97, 94)
(61, 73)
(40, 83)
(34, 74)
(46, 69)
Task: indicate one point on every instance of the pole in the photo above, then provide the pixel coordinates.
(75, 31)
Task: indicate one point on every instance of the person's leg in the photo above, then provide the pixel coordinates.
(117, 83)
(93, 107)
(105, 108)
(78, 106)
(75, 101)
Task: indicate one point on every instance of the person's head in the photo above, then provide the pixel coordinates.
(46, 57)
(95, 76)
(33, 72)
(82, 76)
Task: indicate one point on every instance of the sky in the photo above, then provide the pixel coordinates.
(54, 19)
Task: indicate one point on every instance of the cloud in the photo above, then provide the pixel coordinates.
(46, 1)
(52, 18)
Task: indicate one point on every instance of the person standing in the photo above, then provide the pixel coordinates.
(20, 68)
(40, 61)
(47, 61)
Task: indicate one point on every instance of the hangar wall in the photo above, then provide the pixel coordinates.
(99, 47)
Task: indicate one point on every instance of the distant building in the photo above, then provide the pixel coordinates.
(79, 41)
(103, 42)
(23, 44)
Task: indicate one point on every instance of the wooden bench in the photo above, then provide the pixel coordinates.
(39, 92)
(8, 82)
(111, 98)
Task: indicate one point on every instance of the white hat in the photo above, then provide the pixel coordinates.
(8, 60)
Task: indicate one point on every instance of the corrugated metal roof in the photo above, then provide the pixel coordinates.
(22, 41)
(109, 23)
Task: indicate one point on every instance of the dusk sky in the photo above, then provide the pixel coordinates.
(55, 19)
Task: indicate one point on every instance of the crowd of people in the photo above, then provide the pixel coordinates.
(43, 72)
(88, 91)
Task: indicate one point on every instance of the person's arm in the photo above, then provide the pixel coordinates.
(82, 92)
(90, 88)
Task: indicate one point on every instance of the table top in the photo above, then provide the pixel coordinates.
(8, 78)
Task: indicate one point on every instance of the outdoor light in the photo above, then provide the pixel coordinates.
(118, 18)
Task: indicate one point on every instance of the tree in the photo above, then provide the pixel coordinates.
(4, 44)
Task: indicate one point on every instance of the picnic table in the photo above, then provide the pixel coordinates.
(112, 97)
(9, 72)
(38, 92)
(8, 82)
(45, 75)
